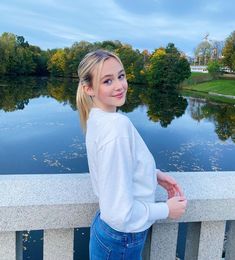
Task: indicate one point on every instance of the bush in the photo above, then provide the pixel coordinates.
(214, 68)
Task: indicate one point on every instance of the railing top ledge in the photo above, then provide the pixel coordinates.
(205, 185)
(66, 200)
(45, 189)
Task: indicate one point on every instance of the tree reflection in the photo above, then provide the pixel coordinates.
(15, 94)
(222, 115)
(162, 106)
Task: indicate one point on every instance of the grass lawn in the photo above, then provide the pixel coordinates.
(196, 74)
(196, 78)
(221, 86)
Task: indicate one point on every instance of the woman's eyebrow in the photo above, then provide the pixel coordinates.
(122, 70)
(111, 75)
(105, 76)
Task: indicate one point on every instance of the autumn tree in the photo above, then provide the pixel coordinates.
(57, 62)
(229, 52)
(167, 68)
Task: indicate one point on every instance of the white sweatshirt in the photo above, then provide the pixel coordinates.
(123, 173)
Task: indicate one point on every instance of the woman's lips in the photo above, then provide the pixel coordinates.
(120, 95)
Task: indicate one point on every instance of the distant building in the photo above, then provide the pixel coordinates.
(202, 69)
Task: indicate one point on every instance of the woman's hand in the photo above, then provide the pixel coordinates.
(176, 200)
(177, 206)
(169, 184)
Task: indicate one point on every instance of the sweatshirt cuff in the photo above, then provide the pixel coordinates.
(156, 171)
(159, 210)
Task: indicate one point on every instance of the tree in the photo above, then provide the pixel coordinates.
(108, 45)
(229, 52)
(20, 41)
(57, 62)
(7, 48)
(18, 57)
(214, 68)
(167, 68)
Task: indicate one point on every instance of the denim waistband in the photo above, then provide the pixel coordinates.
(118, 234)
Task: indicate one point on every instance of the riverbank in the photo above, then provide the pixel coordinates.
(221, 86)
(222, 90)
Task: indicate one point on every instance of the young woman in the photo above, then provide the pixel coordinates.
(123, 172)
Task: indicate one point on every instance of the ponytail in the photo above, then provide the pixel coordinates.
(84, 103)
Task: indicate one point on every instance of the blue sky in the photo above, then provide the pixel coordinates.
(145, 24)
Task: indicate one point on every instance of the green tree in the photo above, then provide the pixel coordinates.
(23, 63)
(40, 59)
(229, 52)
(7, 48)
(17, 56)
(214, 68)
(108, 45)
(167, 67)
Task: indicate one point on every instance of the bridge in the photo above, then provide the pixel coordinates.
(58, 203)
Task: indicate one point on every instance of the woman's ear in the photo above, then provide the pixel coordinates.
(89, 90)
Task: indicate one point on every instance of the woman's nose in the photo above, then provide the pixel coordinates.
(119, 85)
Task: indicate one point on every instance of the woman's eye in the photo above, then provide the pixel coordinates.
(122, 76)
(108, 81)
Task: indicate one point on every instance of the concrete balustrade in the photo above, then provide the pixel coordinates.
(59, 203)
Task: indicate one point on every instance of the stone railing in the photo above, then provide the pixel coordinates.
(59, 203)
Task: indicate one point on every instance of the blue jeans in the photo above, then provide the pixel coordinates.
(109, 244)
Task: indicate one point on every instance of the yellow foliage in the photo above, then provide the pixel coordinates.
(130, 76)
(58, 60)
(158, 53)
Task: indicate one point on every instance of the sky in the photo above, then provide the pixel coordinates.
(144, 24)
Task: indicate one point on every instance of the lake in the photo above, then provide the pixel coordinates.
(40, 131)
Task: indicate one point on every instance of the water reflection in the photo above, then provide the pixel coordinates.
(16, 93)
(162, 106)
(222, 115)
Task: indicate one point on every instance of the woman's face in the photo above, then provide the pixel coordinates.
(113, 86)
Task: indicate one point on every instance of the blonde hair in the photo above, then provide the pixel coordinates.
(89, 71)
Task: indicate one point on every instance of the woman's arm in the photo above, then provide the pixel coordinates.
(118, 206)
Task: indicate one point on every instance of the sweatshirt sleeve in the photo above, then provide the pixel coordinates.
(118, 206)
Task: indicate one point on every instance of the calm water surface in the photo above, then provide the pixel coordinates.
(40, 133)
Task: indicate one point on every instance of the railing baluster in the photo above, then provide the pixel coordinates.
(211, 240)
(19, 245)
(7, 245)
(192, 240)
(164, 241)
(230, 246)
(58, 244)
